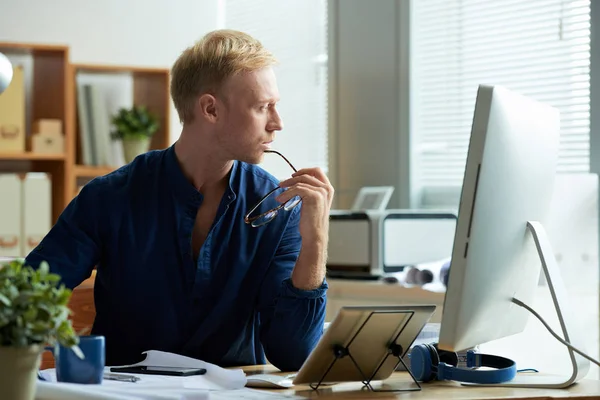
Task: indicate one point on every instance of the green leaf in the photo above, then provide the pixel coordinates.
(30, 315)
(44, 268)
(5, 300)
(77, 350)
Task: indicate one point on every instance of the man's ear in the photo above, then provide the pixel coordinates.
(206, 107)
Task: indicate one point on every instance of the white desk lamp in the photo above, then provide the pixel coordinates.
(6, 72)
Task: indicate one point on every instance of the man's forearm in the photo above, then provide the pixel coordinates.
(309, 271)
(313, 186)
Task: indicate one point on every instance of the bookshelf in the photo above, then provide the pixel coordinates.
(48, 97)
(150, 87)
(53, 94)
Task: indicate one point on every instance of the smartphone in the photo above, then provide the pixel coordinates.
(146, 369)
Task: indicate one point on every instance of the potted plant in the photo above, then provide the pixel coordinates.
(33, 313)
(135, 127)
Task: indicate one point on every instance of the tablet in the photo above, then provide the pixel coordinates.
(367, 334)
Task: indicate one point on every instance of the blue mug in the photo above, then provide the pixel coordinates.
(89, 370)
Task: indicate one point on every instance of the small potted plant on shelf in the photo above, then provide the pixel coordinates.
(134, 127)
(33, 313)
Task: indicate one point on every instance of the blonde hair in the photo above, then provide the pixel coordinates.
(204, 67)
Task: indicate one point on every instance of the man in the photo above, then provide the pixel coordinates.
(179, 269)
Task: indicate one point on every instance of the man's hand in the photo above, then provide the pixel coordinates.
(316, 192)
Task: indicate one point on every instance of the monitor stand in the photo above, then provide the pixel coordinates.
(569, 328)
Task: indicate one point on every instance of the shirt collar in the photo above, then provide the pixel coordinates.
(185, 191)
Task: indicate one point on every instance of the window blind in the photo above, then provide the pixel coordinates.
(540, 48)
(296, 32)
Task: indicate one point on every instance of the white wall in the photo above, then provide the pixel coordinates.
(124, 32)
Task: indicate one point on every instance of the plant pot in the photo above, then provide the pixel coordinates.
(133, 147)
(18, 371)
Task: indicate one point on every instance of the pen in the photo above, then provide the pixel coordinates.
(120, 377)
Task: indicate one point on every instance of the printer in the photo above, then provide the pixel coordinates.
(370, 243)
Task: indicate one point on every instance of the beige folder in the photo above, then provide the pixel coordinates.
(12, 114)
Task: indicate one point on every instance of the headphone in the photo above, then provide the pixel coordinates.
(427, 363)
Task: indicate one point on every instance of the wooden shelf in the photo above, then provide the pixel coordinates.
(31, 48)
(91, 171)
(118, 69)
(31, 156)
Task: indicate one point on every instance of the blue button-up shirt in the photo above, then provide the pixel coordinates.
(232, 306)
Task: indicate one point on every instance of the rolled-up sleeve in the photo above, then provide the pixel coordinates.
(291, 319)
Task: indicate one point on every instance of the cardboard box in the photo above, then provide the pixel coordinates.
(47, 125)
(47, 143)
(12, 114)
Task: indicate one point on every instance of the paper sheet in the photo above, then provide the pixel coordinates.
(71, 391)
(252, 394)
(65, 391)
(155, 387)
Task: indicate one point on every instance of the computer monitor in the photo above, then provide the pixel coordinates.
(372, 198)
(499, 239)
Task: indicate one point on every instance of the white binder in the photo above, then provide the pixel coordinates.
(10, 215)
(36, 211)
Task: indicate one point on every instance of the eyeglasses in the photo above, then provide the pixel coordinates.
(263, 218)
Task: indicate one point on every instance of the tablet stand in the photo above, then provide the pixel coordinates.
(394, 350)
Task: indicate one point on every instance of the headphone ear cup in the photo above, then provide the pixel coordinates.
(435, 361)
(421, 363)
(447, 357)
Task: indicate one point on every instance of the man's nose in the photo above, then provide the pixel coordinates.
(276, 121)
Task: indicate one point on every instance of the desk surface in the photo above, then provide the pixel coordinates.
(584, 390)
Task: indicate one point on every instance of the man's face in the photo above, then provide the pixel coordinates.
(249, 118)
